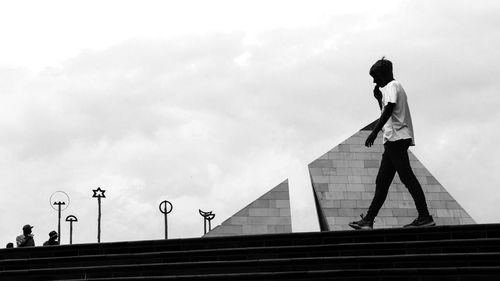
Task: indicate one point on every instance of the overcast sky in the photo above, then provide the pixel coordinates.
(209, 104)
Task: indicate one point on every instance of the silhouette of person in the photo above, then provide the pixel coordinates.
(52, 239)
(9, 245)
(26, 239)
(396, 125)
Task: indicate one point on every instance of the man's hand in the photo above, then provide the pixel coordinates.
(377, 93)
(371, 139)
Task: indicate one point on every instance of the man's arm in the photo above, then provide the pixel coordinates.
(21, 241)
(386, 114)
(27, 240)
(378, 96)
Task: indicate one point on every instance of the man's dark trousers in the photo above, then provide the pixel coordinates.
(395, 159)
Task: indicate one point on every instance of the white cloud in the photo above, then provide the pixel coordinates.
(177, 117)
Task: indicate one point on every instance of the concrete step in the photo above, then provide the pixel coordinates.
(288, 239)
(392, 274)
(414, 261)
(451, 252)
(482, 245)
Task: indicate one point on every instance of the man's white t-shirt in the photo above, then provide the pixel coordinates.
(399, 126)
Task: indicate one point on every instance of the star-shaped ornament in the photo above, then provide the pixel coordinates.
(98, 193)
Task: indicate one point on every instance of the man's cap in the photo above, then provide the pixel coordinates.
(52, 234)
(26, 227)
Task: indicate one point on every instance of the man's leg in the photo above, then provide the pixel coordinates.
(400, 159)
(384, 179)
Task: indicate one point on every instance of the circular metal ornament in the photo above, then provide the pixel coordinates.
(204, 214)
(166, 207)
(59, 197)
(71, 218)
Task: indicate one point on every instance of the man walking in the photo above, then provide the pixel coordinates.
(395, 123)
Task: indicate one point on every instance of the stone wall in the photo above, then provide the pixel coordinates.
(270, 213)
(343, 182)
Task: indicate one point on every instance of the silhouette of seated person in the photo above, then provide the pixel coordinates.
(25, 239)
(52, 239)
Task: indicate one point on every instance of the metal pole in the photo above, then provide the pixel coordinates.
(71, 219)
(99, 220)
(59, 224)
(99, 193)
(165, 208)
(53, 202)
(207, 216)
(70, 232)
(166, 227)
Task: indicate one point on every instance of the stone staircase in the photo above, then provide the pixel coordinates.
(465, 252)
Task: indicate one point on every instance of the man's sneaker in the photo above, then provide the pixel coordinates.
(421, 222)
(362, 223)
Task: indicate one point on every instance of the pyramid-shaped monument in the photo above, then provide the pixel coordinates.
(343, 181)
(270, 213)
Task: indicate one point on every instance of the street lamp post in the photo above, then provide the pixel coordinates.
(71, 219)
(165, 208)
(98, 193)
(59, 199)
(207, 217)
(59, 203)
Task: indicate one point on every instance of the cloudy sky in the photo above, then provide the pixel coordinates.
(209, 104)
